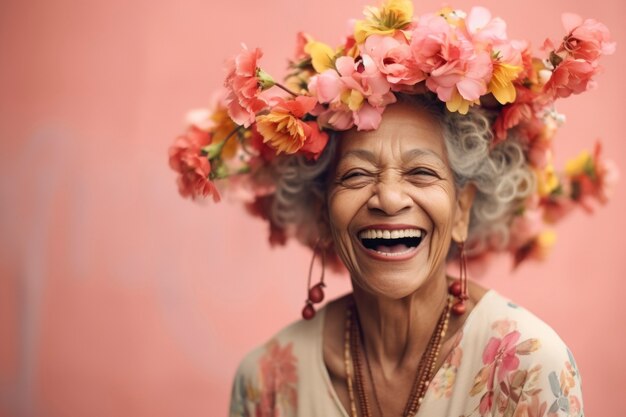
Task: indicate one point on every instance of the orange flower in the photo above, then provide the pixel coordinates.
(222, 127)
(284, 130)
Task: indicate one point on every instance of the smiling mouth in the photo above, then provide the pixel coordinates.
(391, 242)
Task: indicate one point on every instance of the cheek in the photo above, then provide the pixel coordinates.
(439, 203)
(343, 207)
(340, 211)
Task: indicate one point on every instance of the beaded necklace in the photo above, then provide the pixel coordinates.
(352, 359)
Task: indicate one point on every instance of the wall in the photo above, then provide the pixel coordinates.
(119, 298)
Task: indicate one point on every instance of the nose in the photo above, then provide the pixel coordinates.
(390, 197)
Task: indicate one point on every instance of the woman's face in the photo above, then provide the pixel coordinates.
(392, 203)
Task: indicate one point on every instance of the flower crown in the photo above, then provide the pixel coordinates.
(464, 59)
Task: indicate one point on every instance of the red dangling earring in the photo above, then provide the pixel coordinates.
(459, 288)
(315, 294)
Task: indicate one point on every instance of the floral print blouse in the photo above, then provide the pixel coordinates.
(505, 362)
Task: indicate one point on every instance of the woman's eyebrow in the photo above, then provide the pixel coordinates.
(418, 152)
(406, 156)
(361, 154)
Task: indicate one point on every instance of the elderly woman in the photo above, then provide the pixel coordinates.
(396, 200)
(414, 144)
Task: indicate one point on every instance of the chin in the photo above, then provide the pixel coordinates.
(394, 285)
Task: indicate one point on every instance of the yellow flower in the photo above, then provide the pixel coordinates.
(458, 103)
(222, 127)
(322, 55)
(453, 17)
(353, 99)
(547, 181)
(393, 15)
(501, 84)
(579, 165)
(298, 81)
(282, 130)
(544, 243)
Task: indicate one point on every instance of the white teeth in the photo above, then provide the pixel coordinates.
(389, 234)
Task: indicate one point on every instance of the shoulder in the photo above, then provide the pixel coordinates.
(500, 318)
(520, 360)
(271, 374)
(295, 340)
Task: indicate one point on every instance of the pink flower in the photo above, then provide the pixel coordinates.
(502, 354)
(394, 59)
(327, 86)
(483, 28)
(368, 117)
(194, 169)
(243, 101)
(363, 76)
(455, 67)
(339, 119)
(356, 93)
(571, 76)
(586, 39)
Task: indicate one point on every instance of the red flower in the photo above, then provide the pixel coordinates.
(185, 157)
(571, 76)
(315, 142)
(265, 152)
(512, 114)
(243, 84)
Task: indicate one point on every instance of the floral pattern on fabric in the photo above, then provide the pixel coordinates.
(504, 363)
(444, 379)
(508, 391)
(563, 387)
(499, 382)
(276, 393)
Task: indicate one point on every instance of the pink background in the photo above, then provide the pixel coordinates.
(118, 298)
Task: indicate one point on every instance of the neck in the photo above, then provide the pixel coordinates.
(396, 331)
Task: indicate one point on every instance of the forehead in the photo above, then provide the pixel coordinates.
(404, 129)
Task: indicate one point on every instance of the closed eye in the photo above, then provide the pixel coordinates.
(356, 178)
(353, 174)
(424, 172)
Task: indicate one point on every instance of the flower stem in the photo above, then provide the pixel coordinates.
(231, 134)
(214, 150)
(282, 87)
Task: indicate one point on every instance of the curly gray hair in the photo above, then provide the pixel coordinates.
(501, 175)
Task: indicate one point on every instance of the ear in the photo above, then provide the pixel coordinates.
(465, 199)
